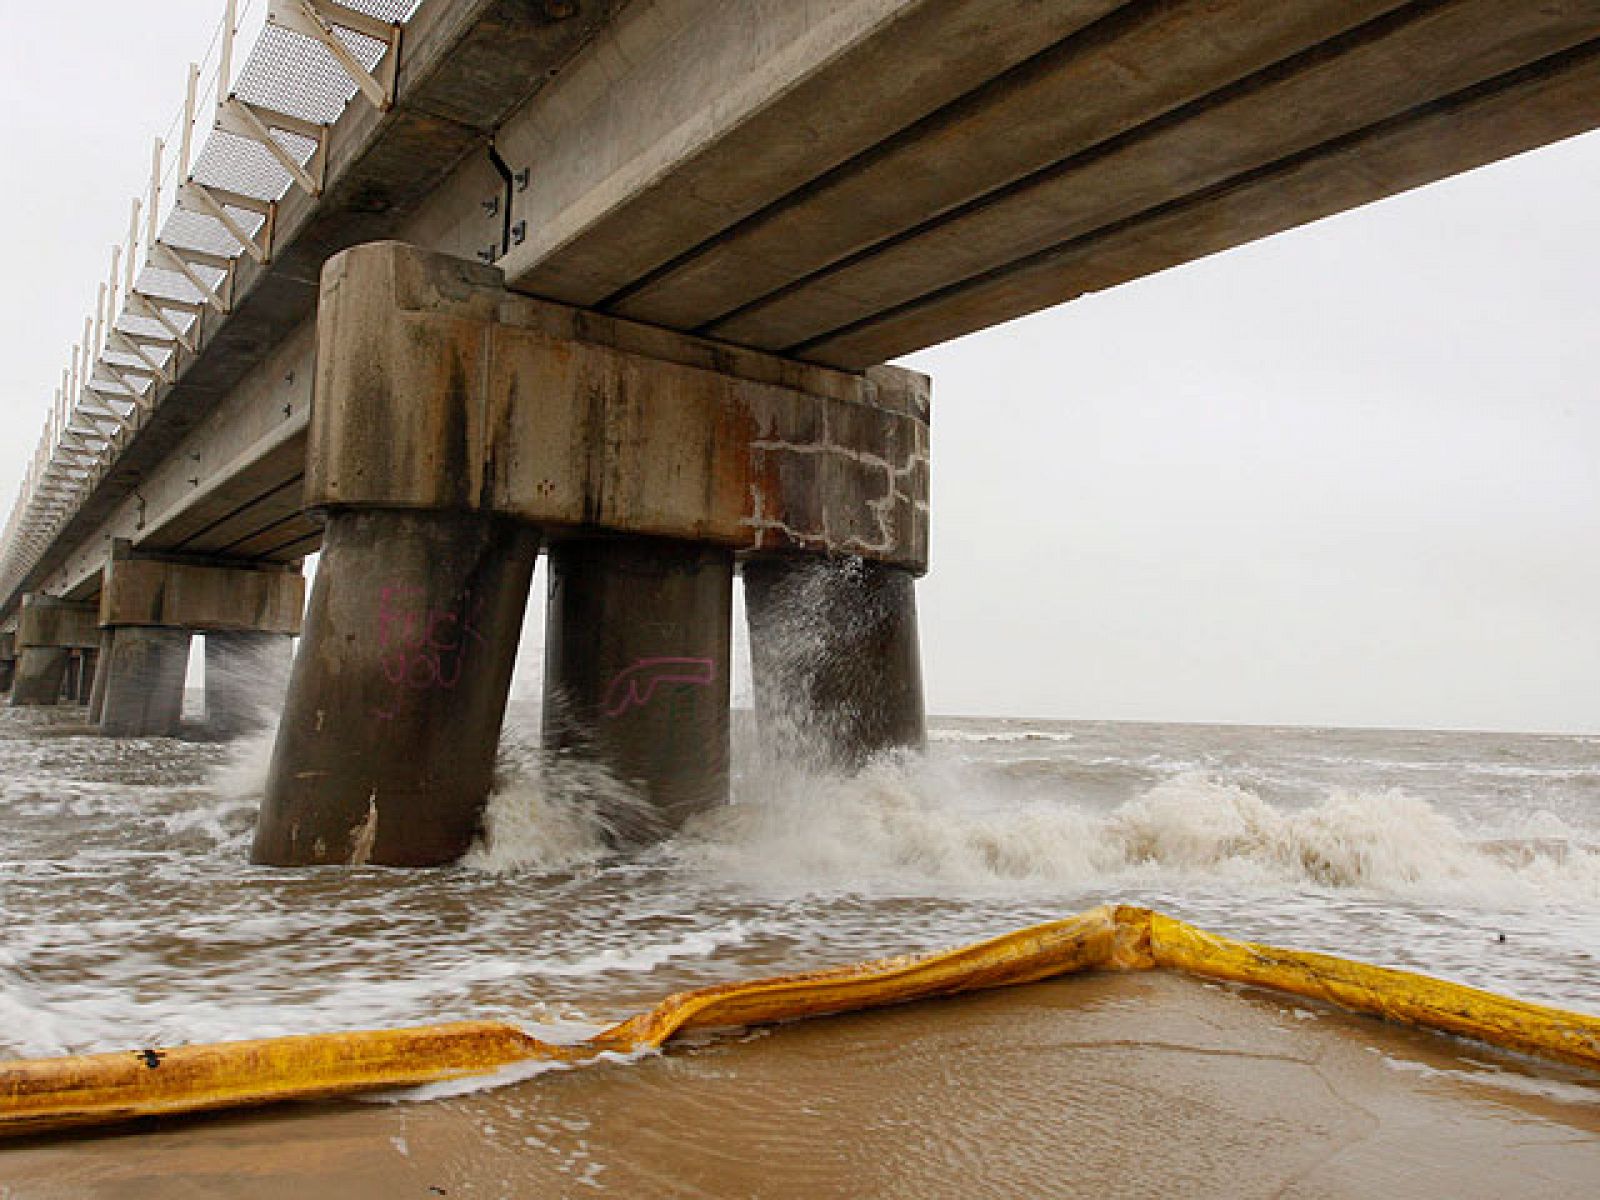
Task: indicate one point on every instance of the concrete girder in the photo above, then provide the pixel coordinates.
(670, 196)
(682, 118)
(224, 483)
(200, 597)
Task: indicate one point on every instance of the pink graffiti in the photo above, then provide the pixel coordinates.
(421, 648)
(636, 686)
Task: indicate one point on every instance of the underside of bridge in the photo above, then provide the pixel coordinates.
(756, 195)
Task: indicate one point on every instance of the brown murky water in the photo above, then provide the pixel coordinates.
(130, 920)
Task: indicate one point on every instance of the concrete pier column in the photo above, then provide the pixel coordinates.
(49, 629)
(386, 748)
(650, 458)
(246, 676)
(8, 660)
(151, 604)
(144, 670)
(835, 659)
(637, 652)
(41, 674)
(97, 691)
(71, 677)
(80, 675)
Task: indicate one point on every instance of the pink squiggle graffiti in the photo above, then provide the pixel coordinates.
(634, 687)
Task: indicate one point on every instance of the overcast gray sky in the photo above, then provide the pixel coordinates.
(1348, 475)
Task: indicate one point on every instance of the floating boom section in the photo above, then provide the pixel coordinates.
(50, 1094)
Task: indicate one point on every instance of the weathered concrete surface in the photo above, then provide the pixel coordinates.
(144, 672)
(87, 671)
(835, 659)
(49, 621)
(41, 674)
(683, 118)
(808, 187)
(637, 665)
(385, 751)
(149, 607)
(49, 629)
(436, 388)
(246, 676)
(201, 597)
(1184, 100)
(97, 694)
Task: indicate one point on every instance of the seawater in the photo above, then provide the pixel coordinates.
(132, 918)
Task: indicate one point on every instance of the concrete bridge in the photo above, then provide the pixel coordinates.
(447, 285)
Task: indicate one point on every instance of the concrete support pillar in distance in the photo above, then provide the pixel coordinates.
(637, 651)
(144, 671)
(835, 658)
(86, 665)
(246, 675)
(8, 660)
(386, 748)
(49, 629)
(97, 691)
(41, 674)
(150, 605)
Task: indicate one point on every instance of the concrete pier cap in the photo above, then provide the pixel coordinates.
(50, 631)
(8, 658)
(450, 413)
(438, 388)
(151, 605)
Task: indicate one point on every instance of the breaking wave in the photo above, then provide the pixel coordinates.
(925, 826)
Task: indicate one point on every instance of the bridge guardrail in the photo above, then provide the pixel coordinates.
(210, 200)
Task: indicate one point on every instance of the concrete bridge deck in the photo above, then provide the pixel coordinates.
(838, 183)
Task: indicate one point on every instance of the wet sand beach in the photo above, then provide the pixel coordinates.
(1104, 1086)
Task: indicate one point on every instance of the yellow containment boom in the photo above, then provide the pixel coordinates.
(41, 1095)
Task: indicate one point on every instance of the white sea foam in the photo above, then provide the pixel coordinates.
(997, 736)
(133, 918)
(919, 827)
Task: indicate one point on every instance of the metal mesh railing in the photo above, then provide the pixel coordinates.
(242, 139)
